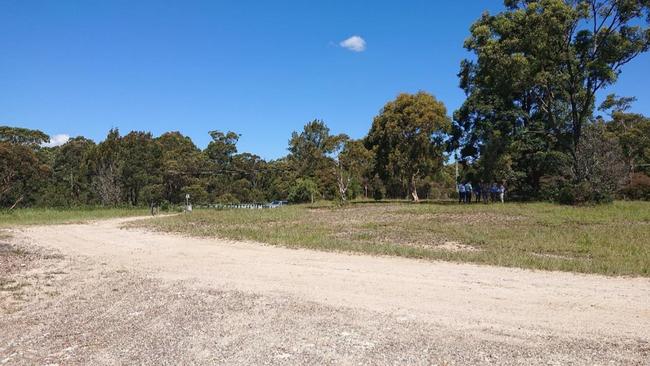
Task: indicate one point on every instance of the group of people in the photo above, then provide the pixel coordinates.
(481, 191)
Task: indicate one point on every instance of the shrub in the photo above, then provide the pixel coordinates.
(165, 205)
(583, 193)
(638, 188)
(198, 194)
(228, 199)
(552, 188)
(303, 190)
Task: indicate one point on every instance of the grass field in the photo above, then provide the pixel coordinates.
(43, 216)
(609, 239)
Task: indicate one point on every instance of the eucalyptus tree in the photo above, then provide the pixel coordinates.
(408, 139)
(310, 155)
(23, 136)
(182, 164)
(537, 70)
(632, 130)
(141, 157)
(106, 165)
(352, 166)
(22, 172)
(71, 174)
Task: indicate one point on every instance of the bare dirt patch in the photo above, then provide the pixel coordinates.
(454, 246)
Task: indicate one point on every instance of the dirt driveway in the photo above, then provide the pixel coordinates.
(128, 296)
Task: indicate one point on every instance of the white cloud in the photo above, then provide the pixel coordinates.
(354, 43)
(57, 140)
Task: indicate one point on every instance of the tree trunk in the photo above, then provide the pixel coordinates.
(16, 203)
(413, 189)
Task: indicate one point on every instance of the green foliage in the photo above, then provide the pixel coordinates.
(152, 194)
(222, 147)
(532, 86)
(303, 190)
(310, 156)
(353, 165)
(633, 133)
(228, 199)
(408, 140)
(70, 181)
(638, 188)
(141, 157)
(182, 164)
(23, 136)
(22, 169)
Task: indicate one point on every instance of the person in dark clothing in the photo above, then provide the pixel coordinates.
(485, 190)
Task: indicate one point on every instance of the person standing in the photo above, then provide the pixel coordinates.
(502, 193)
(493, 192)
(461, 192)
(468, 192)
(485, 189)
(477, 192)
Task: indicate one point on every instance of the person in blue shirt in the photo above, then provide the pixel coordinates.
(468, 192)
(493, 192)
(461, 192)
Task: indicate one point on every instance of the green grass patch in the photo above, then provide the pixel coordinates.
(608, 239)
(45, 216)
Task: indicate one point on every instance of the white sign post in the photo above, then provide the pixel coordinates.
(188, 207)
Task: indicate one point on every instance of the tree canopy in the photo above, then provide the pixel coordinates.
(531, 88)
(408, 139)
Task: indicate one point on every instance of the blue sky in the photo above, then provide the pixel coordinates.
(262, 69)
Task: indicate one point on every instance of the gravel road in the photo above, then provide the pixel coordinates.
(100, 294)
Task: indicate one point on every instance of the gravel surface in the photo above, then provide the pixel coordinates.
(96, 307)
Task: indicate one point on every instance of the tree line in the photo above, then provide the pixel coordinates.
(530, 121)
(403, 154)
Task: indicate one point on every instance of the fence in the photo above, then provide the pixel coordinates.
(243, 206)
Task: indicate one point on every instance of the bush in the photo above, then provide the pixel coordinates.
(151, 194)
(303, 190)
(552, 188)
(165, 205)
(228, 199)
(638, 188)
(583, 193)
(198, 194)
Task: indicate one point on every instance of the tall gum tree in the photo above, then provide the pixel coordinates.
(21, 170)
(538, 67)
(408, 138)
